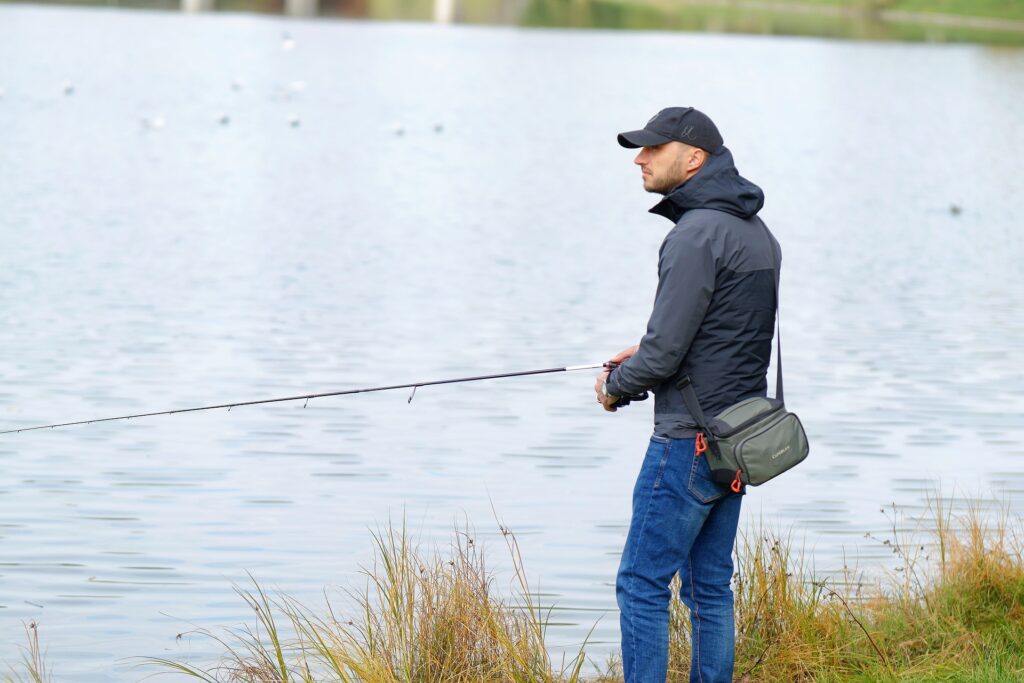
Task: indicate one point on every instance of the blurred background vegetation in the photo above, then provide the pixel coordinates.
(997, 22)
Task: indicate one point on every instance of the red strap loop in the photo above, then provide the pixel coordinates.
(737, 483)
(702, 444)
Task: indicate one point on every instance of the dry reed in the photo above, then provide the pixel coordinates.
(952, 609)
(422, 617)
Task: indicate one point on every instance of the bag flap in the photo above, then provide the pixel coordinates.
(743, 412)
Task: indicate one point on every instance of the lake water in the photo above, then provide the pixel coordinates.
(390, 203)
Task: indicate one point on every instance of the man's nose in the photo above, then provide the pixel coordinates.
(640, 157)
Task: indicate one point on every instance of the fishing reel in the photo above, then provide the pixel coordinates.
(625, 400)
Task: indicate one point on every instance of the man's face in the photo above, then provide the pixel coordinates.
(666, 166)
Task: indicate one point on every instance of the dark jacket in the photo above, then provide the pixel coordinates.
(714, 311)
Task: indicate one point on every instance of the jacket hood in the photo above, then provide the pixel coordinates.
(717, 185)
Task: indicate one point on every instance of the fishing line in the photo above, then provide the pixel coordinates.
(306, 397)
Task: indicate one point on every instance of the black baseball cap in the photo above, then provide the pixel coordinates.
(684, 124)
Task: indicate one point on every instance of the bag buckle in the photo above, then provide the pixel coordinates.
(737, 483)
(702, 443)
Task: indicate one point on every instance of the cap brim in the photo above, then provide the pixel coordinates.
(641, 138)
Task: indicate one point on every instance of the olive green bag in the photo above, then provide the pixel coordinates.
(754, 440)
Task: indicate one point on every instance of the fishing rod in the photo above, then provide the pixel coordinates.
(306, 397)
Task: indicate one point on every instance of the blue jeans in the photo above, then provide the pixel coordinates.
(682, 522)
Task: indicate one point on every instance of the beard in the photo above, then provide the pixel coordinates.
(661, 186)
(673, 177)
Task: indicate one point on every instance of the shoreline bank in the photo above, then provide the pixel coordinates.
(886, 20)
(950, 608)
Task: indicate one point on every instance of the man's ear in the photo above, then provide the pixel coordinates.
(697, 158)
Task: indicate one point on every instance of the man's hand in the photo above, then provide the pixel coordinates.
(607, 402)
(621, 356)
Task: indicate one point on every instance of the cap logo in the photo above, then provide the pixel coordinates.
(686, 132)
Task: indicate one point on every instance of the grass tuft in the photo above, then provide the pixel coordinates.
(422, 617)
(951, 609)
(32, 661)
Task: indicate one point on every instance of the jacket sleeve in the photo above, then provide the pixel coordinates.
(686, 281)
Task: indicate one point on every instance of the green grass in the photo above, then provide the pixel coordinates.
(951, 609)
(765, 18)
(994, 9)
(33, 666)
(422, 617)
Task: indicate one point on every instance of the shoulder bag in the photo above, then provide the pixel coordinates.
(756, 439)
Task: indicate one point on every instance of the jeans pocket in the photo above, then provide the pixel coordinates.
(701, 486)
(660, 446)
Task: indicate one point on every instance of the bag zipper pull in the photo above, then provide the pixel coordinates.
(737, 483)
(702, 444)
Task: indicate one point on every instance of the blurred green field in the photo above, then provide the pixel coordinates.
(844, 19)
(998, 9)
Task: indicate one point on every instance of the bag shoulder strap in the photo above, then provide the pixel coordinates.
(777, 273)
(693, 405)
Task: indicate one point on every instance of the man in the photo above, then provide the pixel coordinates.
(713, 320)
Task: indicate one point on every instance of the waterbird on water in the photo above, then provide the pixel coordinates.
(69, 88)
(955, 209)
(223, 119)
(153, 122)
(293, 120)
